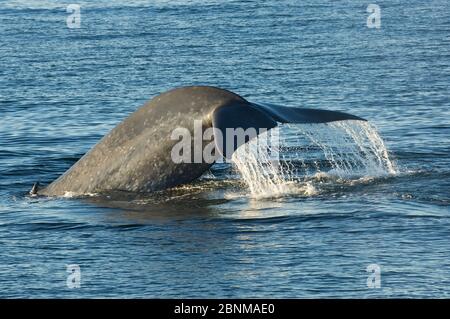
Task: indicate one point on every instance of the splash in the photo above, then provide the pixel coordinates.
(353, 148)
(260, 170)
(350, 149)
(78, 195)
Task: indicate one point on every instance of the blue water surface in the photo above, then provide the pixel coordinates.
(62, 89)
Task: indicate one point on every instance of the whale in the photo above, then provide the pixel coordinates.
(137, 155)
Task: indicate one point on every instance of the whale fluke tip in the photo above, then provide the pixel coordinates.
(34, 189)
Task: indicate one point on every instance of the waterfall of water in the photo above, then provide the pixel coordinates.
(352, 148)
(259, 170)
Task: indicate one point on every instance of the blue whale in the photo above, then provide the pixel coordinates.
(135, 156)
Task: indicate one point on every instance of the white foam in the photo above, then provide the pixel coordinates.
(70, 194)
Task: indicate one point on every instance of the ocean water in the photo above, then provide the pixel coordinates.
(62, 89)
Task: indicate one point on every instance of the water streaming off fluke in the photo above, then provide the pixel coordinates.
(349, 149)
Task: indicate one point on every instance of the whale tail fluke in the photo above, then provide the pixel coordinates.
(137, 155)
(263, 117)
(298, 115)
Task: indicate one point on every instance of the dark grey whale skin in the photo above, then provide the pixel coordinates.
(136, 155)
